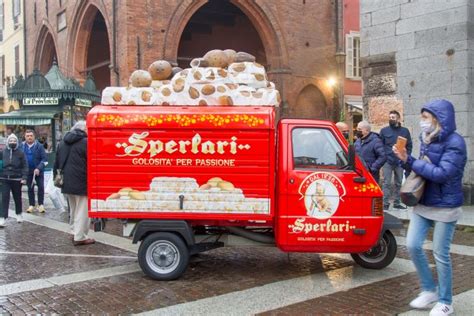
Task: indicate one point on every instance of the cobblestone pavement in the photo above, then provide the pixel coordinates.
(42, 272)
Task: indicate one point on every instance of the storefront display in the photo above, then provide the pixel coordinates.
(49, 104)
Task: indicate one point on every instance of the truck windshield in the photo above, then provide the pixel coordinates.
(317, 148)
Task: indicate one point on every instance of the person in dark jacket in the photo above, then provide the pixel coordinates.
(37, 161)
(389, 135)
(15, 172)
(440, 204)
(370, 149)
(71, 158)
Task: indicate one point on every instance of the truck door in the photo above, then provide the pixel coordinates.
(325, 205)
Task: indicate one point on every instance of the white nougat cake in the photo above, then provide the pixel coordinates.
(174, 194)
(241, 84)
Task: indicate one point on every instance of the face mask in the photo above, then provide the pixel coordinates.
(392, 123)
(426, 126)
(345, 134)
(12, 145)
(359, 134)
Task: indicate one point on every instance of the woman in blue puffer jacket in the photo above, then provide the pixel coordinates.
(440, 205)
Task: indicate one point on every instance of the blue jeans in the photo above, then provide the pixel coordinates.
(388, 169)
(442, 237)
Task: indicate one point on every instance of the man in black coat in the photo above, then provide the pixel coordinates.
(71, 158)
(389, 135)
(370, 149)
(15, 172)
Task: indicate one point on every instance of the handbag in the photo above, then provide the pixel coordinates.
(59, 177)
(413, 188)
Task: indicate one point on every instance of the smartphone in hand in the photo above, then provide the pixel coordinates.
(401, 143)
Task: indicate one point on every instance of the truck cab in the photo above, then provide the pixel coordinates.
(325, 202)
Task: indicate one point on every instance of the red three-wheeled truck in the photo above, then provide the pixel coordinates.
(190, 179)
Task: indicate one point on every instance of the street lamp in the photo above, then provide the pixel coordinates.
(331, 82)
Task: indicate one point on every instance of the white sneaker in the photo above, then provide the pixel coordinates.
(41, 209)
(19, 218)
(441, 309)
(30, 209)
(424, 300)
(2, 222)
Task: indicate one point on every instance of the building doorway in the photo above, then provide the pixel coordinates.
(311, 104)
(219, 25)
(98, 53)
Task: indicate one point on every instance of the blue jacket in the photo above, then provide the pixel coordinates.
(372, 152)
(447, 153)
(389, 137)
(40, 160)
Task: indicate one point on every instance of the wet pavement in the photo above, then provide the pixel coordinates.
(42, 272)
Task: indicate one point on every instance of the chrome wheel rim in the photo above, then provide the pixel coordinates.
(163, 257)
(376, 253)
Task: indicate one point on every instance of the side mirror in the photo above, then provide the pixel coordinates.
(351, 156)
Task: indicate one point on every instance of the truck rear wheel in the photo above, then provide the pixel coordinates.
(379, 256)
(163, 256)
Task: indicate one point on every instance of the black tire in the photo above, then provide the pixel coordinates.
(379, 256)
(163, 256)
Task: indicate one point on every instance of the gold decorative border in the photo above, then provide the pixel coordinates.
(182, 120)
(367, 188)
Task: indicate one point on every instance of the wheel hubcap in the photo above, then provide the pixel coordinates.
(376, 253)
(162, 257)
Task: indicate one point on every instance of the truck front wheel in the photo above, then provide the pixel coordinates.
(163, 256)
(379, 256)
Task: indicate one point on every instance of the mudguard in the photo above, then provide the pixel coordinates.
(146, 227)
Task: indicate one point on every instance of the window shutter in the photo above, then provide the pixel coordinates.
(2, 73)
(349, 56)
(2, 16)
(16, 8)
(17, 61)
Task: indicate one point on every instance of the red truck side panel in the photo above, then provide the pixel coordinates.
(203, 163)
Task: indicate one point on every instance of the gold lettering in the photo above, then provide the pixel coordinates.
(299, 226)
(220, 146)
(137, 146)
(182, 146)
(308, 228)
(233, 145)
(156, 147)
(170, 147)
(208, 147)
(323, 226)
(196, 141)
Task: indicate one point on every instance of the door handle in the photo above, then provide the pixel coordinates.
(292, 181)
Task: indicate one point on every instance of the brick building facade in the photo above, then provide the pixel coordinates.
(295, 40)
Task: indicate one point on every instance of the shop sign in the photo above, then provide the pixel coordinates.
(83, 102)
(40, 101)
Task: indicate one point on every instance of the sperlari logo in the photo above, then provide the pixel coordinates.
(322, 193)
(302, 226)
(137, 145)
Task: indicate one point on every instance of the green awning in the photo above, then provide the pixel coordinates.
(28, 117)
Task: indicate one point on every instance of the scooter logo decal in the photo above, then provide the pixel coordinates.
(321, 192)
